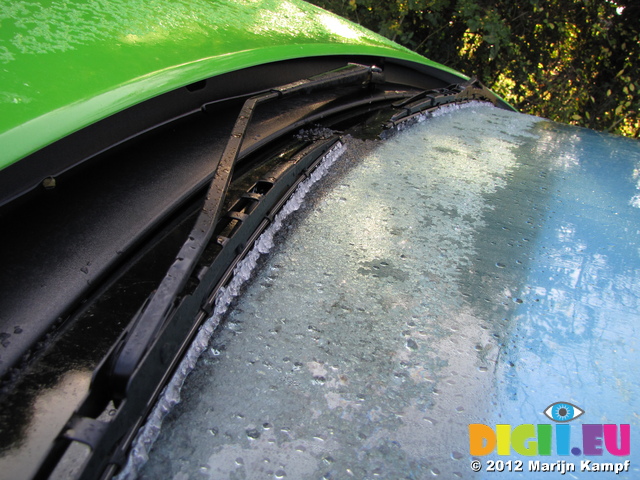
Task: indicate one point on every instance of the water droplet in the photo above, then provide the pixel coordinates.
(213, 431)
(280, 473)
(459, 409)
(500, 265)
(253, 433)
(435, 472)
(412, 344)
(239, 461)
(456, 455)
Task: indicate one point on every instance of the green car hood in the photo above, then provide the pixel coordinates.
(64, 66)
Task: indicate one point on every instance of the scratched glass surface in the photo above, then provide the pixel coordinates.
(475, 268)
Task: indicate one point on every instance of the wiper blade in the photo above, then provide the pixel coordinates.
(429, 100)
(131, 377)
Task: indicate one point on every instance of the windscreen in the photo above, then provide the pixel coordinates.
(459, 300)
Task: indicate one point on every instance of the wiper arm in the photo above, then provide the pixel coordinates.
(150, 319)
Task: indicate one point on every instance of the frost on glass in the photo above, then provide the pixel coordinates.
(398, 307)
(241, 273)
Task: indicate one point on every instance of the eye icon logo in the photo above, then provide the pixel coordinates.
(563, 412)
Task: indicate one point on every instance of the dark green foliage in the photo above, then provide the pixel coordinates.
(573, 61)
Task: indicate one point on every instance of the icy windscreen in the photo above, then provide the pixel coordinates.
(473, 269)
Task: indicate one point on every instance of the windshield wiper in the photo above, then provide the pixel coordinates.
(153, 315)
(429, 100)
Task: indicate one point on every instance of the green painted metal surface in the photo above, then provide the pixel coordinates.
(66, 65)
